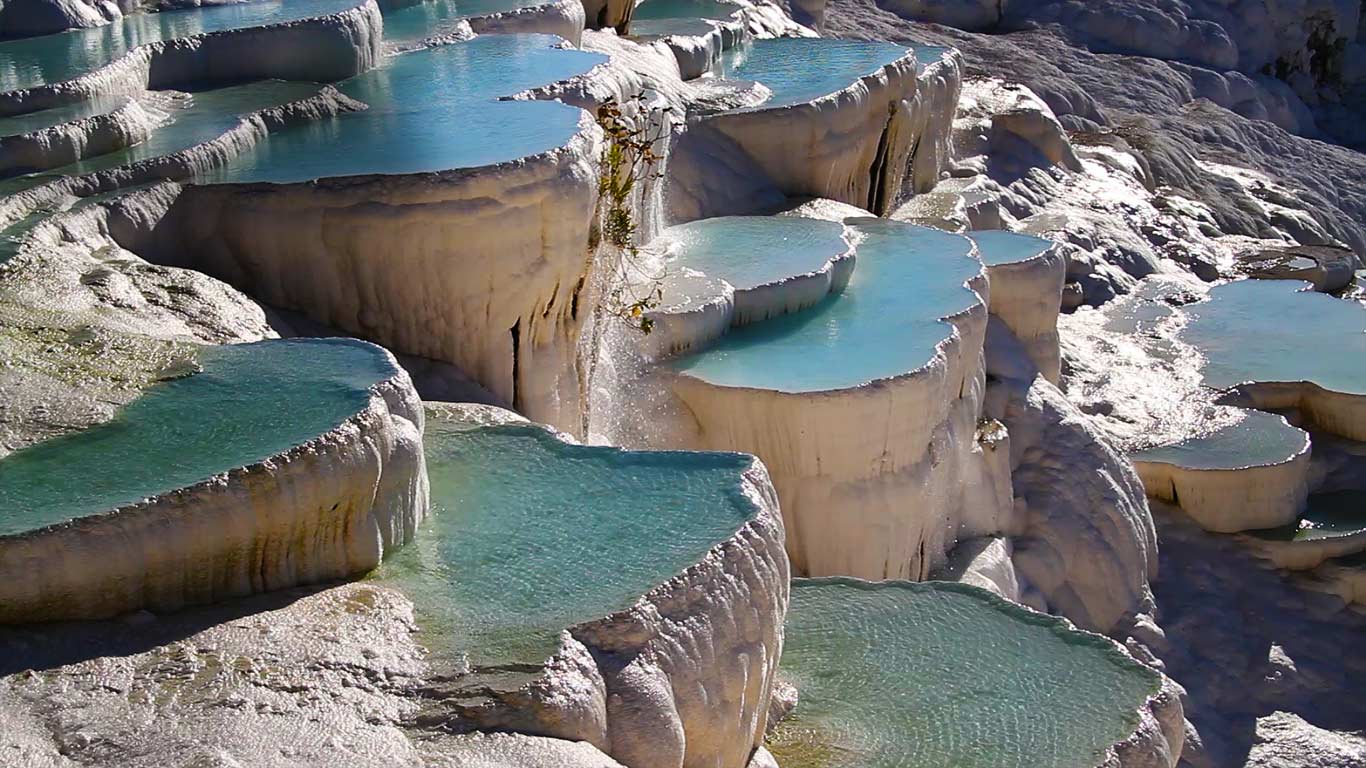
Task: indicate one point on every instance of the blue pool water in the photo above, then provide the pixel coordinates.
(885, 323)
(431, 109)
(937, 675)
(1271, 330)
(750, 251)
(54, 58)
(531, 535)
(997, 247)
(1257, 439)
(248, 403)
(800, 69)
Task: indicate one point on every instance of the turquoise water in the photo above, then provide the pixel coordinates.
(929, 54)
(47, 118)
(750, 251)
(683, 9)
(885, 323)
(250, 402)
(800, 69)
(54, 58)
(1257, 439)
(432, 109)
(419, 21)
(997, 247)
(1328, 516)
(1270, 330)
(531, 535)
(206, 116)
(938, 675)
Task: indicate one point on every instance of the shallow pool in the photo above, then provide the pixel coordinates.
(1271, 330)
(801, 69)
(431, 109)
(1256, 439)
(248, 403)
(944, 675)
(885, 323)
(530, 535)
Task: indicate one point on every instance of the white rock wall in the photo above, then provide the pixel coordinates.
(481, 268)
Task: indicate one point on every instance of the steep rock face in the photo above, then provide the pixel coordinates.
(853, 146)
(1086, 540)
(878, 480)
(365, 254)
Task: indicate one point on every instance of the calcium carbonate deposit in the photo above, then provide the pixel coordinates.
(682, 383)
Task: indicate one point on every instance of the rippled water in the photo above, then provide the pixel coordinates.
(800, 69)
(531, 535)
(1256, 439)
(432, 109)
(938, 675)
(250, 402)
(885, 323)
(54, 58)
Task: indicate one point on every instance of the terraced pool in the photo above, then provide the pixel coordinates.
(1273, 331)
(247, 402)
(432, 109)
(530, 535)
(940, 675)
(886, 322)
(801, 69)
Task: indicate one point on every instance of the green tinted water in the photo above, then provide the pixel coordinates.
(887, 322)
(683, 9)
(937, 675)
(530, 535)
(204, 117)
(249, 402)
